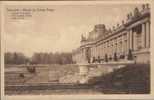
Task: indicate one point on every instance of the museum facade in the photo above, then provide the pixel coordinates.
(129, 40)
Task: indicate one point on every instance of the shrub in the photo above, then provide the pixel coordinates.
(31, 69)
(115, 57)
(106, 58)
(122, 56)
(110, 58)
(99, 60)
(93, 61)
(130, 56)
(21, 75)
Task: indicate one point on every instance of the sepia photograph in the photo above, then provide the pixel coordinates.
(77, 49)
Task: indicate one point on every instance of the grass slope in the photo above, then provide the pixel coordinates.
(132, 79)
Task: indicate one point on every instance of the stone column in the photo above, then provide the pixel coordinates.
(91, 52)
(95, 51)
(131, 39)
(109, 47)
(112, 49)
(147, 34)
(104, 48)
(143, 36)
(123, 46)
(113, 46)
(120, 47)
(113, 43)
(127, 48)
(116, 44)
(134, 40)
(80, 55)
(100, 50)
(108, 51)
(83, 55)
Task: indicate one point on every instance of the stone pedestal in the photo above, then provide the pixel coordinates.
(83, 73)
(83, 70)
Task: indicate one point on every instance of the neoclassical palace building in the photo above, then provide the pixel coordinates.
(130, 38)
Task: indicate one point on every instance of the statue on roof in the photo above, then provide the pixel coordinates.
(113, 28)
(109, 30)
(143, 6)
(147, 6)
(123, 22)
(83, 38)
(118, 25)
(128, 16)
(136, 12)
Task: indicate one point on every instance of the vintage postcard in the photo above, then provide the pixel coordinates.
(76, 49)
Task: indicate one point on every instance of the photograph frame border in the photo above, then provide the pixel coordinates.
(74, 97)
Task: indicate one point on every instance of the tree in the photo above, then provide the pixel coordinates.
(115, 57)
(21, 75)
(31, 69)
(130, 56)
(93, 60)
(106, 58)
(8, 58)
(110, 58)
(99, 60)
(15, 58)
(52, 58)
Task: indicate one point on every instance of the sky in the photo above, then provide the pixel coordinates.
(60, 28)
